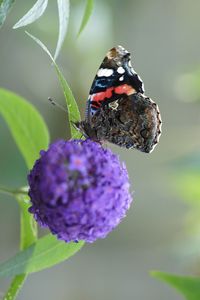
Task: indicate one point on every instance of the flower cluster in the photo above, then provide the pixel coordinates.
(79, 190)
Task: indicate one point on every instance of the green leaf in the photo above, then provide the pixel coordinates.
(5, 6)
(87, 14)
(188, 286)
(63, 13)
(45, 253)
(33, 14)
(26, 125)
(73, 111)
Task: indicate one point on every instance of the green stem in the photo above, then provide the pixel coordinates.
(28, 235)
(12, 192)
(15, 287)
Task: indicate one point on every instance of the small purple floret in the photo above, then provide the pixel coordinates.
(79, 190)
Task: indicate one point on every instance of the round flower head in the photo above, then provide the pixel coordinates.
(79, 190)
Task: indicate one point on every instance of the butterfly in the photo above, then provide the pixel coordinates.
(117, 111)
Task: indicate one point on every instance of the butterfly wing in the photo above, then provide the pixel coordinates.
(115, 77)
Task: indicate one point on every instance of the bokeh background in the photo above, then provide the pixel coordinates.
(162, 227)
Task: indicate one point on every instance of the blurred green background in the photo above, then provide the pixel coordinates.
(161, 229)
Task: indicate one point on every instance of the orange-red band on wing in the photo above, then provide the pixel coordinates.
(107, 94)
(124, 89)
(103, 95)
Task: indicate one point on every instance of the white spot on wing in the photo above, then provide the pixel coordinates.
(121, 78)
(120, 70)
(104, 72)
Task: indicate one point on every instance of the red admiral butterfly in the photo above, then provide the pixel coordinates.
(117, 109)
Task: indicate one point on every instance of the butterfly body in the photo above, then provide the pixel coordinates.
(117, 109)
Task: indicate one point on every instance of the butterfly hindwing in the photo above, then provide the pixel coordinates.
(115, 77)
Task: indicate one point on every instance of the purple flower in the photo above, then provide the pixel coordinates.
(79, 190)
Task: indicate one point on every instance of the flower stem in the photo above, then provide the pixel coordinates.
(15, 287)
(28, 235)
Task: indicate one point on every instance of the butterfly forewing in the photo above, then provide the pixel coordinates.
(115, 78)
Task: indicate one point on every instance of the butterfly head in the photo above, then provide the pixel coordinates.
(119, 59)
(118, 55)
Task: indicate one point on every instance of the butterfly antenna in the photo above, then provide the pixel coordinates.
(57, 104)
(73, 123)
